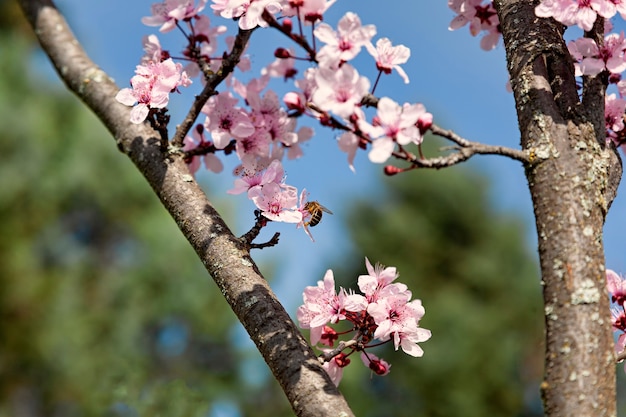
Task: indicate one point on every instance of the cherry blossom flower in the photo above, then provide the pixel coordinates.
(206, 38)
(349, 143)
(593, 60)
(151, 87)
(197, 140)
(481, 18)
(282, 67)
(273, 173)
(248, 11)
(385, 314)
(393, 124)
(308, 11)
(322, 305)
(616, 286)
(377, 278)
(398, 317)
(576, 12)
(389, 57)
(344, 44)
(167, 13)
(614, 109)
(153, 51)
(225, 121)
(339, 91)
(276, 202)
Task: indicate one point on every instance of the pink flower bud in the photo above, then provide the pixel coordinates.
(287, 25)
(391, 170)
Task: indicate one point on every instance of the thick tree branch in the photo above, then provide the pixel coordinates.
(572, 185)
(307, 386)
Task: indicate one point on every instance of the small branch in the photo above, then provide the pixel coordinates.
(300, 40)
(465, 150)
(327, 356)
(272, 242)
(229, 63)
(260, 223)
(468, 149)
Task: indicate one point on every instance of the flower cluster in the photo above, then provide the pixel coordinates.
(383, 313)
(250, 120)
(151, 87)
(580, 13)
(616, 286)
(481, 18)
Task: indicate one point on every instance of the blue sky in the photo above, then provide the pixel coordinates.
(461, 85)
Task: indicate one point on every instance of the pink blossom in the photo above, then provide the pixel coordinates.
(225, 121)
(349, 143)
(151, 87)
(322, 305)
(614, 109)
(211, 161)
(389, 57)
(276, 202)
(167, 13)
(308, 11)
(398, 317)
(393, 124)
(274, 173)
(282, 67)
(616, 286)
(376, 279)
(206, 37)
(248, 11)
(339, 91)
(294, 150)
(153, 50)
(576, 12)
(481, 18)
(345, 43)
(593, 60)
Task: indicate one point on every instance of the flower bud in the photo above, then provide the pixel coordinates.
(287, 25)
(282, 53)
(391, 170)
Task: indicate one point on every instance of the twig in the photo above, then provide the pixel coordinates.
(229, 63)
(300, 40)
(326, 356)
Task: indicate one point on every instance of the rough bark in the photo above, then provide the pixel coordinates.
(573, 181)
(226, 258)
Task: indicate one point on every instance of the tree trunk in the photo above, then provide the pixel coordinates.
(573, 180)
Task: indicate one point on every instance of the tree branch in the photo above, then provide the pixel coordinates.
(293, 363)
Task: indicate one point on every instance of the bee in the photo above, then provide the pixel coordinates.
(316, 210)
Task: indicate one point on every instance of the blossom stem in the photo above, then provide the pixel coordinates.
(376, 82)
